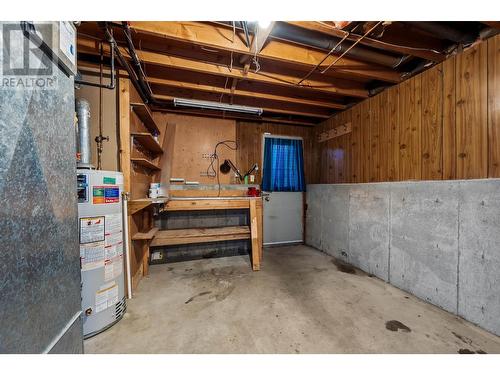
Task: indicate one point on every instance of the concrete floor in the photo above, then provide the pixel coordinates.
(300, 302)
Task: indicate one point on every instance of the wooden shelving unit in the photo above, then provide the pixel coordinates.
(145, 163)
(142, 111)
(199, 235)
(140, 157)
(145, 236)
(148, 141)
(135, 205)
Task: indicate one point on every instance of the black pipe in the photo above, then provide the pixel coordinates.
(325, 42)
(131, 73)
(136, 77)
(418, 69)
(112, 83)
(443, 31)
(135, 60)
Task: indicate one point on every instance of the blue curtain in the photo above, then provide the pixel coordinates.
(283, 165)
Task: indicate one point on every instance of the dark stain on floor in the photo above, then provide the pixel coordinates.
(465, 351)
(226, 288)
(396, 325)
(468, 351)
(198, 295)
(343, 266)
(464, 339)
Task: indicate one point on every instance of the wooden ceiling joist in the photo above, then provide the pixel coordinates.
(243, 93)
(89, 46)
(324, 28)
(215, 36)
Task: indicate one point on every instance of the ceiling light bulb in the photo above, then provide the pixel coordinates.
(264, 24)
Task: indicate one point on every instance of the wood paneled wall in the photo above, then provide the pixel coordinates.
(441, 124)
(189, 137)
(249, 137)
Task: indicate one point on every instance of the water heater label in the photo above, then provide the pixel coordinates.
(98, 194)
(92, 229)
(106, 296)
(113, 223)
(92, 256)
(109, 180)
(105, 194)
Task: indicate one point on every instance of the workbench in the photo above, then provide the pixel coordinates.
(199, 235)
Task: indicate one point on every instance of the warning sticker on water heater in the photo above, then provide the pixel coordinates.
(113, 268)
(91, 229)
(106, 296)
(105, 194)
(92, 255)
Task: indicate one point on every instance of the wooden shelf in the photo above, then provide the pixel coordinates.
(140, 236)
(145, 163)
(200, 235)
(135, 205)
(146, 117)
(226, 203)
(147, 140)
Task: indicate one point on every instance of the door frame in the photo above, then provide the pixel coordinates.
(263, 143)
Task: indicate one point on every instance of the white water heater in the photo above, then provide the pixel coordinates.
(100, 229)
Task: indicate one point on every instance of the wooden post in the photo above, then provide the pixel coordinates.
(123, 97)
(260, 227)
(145, 258)
(254, 229)
(124, 142)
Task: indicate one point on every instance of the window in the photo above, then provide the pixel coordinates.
(283, 164)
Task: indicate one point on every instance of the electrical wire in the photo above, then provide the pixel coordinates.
(324, 58)
(214, 157)
(351, 47)
(383, 42)
(255, 59)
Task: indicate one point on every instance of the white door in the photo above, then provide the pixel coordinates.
(283, 218)
(283, 211)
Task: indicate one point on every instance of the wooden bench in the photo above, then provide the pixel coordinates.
(253, 232)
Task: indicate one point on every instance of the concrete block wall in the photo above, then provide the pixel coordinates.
(438, 240)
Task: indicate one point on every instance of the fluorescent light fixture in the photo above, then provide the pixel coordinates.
(202, 104)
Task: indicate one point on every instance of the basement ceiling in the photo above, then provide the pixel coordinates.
(298, 72)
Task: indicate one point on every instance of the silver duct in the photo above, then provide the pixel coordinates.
(82, 108)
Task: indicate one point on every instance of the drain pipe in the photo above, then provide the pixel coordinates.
(126, 243)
